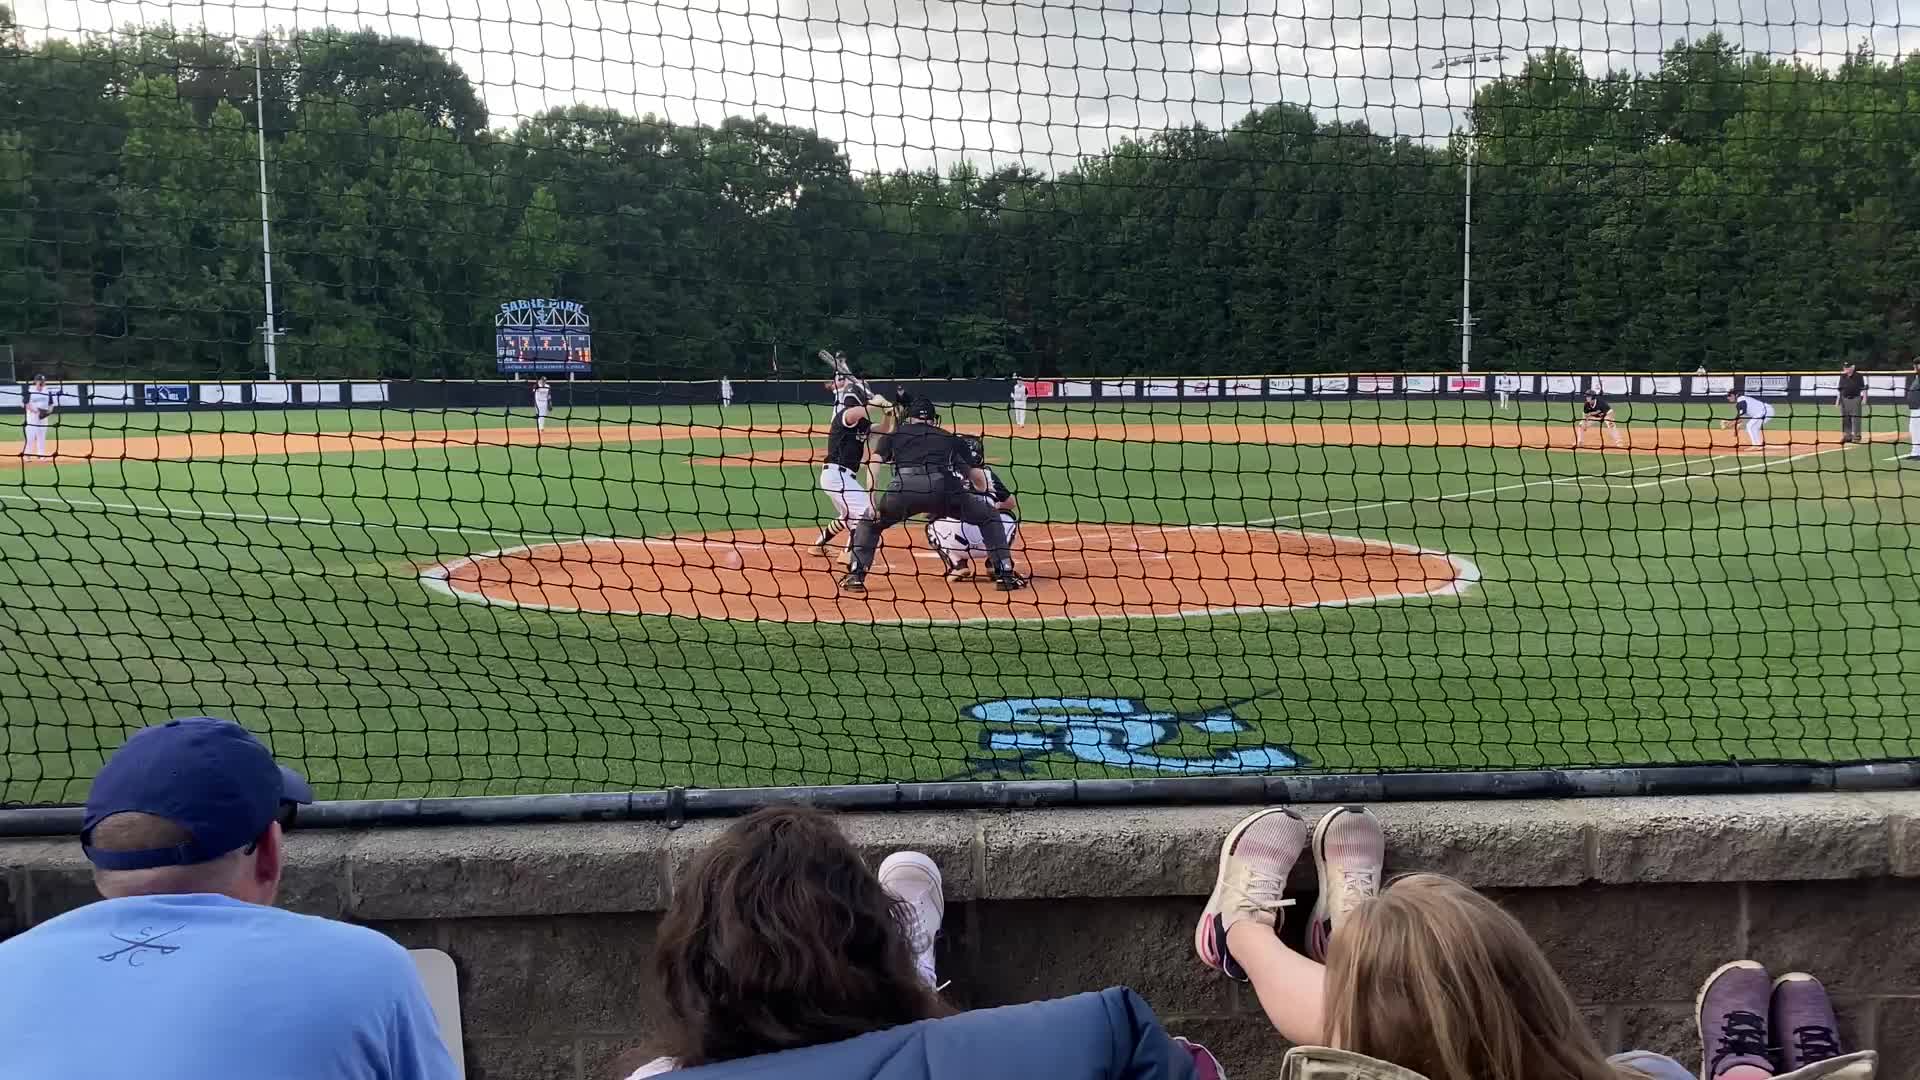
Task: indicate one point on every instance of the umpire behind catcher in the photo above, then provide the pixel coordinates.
(933, 474)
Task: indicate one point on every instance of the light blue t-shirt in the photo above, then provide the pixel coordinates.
(197, 986)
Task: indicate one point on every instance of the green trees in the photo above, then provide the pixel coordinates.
(1726, 209)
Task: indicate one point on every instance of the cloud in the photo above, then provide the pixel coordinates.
(915, 83)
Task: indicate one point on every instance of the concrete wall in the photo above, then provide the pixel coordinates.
(1636, 900)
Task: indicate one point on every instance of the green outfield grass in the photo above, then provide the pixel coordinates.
(1631, 609)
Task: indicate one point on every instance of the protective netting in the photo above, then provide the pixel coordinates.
(1201, 275)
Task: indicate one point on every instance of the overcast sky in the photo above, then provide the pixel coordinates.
(927, 82)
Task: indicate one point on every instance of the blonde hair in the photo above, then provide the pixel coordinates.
(1436, 978)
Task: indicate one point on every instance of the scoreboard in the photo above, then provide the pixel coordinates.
(542, 337)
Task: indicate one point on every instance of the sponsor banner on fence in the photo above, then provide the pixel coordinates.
(1287, 386)
(1331, 384)
(1613, 384)
(110, 395)
(1818, 385)
(1374, 384)
(1119, 388)
(219, 394)
(1039, 387)
(1563, 384)
(363, 391)
(1421, 384)
(12, 397)
(168, 394)
(1076, 389)
(1243, 387)
(1663, 385)
(272, 393)
(1466, 384)
(1767, 385)
(1712, 385)
(1200, 388)
(324, 393)
(1160, 388)
(1886, 385)
(1513, 384)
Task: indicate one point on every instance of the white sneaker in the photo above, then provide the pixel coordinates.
(914, 879)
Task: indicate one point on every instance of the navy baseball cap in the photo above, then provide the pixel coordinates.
(211, 777)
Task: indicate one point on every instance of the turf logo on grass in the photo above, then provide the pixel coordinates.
(1122, 733)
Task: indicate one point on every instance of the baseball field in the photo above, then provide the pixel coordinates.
(413, 603)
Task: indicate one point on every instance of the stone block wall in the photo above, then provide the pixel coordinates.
(1635, 900)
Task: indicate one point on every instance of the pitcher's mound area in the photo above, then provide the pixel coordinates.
(1078, 571)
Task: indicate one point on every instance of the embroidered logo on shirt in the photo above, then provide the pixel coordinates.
(137, 946)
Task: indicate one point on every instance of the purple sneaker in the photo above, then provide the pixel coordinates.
(1733, 1020)
(1803, 1021)
(1349, 852)
(1255, 859)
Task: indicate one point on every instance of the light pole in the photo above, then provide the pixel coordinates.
(268, 331)
(1472, 63)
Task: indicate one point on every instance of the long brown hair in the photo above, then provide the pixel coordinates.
(1436, 978)
(780, 937)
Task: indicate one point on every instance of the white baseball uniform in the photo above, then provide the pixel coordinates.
(39, 408)
(955, 541)
(726, 392)
(542, 403)
(1756, 413)
(1019, 403)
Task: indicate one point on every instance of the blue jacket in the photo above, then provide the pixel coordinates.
(1111, 1035)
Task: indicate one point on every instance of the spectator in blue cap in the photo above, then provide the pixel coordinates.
(200, 974)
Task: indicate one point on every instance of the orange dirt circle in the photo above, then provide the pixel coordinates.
(1078, 571)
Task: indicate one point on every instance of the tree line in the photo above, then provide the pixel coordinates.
(1727, 210)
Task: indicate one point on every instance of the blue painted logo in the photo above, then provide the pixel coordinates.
(1121, 733)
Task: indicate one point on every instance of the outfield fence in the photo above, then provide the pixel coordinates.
(307, 271)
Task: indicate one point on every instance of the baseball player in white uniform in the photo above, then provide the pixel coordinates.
(1754, 412)
(542, 403)
(726, 391)
(958, 543)
(1019, 402)
(847, 436)
(39, 410)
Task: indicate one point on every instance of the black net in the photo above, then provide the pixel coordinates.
(449, 398)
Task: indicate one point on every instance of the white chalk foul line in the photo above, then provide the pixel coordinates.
(1577, 481)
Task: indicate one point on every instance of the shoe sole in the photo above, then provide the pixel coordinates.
(916, 859)
(1700, 1005)
(1323, 911)
(1202, 929)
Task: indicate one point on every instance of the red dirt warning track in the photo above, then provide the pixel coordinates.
(1079, 571)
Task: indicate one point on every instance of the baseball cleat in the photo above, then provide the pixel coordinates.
(854, 583)
(1008, 581)
(962, 572)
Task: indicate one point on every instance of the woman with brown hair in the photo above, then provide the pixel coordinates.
(779, 937)
(1427, 978)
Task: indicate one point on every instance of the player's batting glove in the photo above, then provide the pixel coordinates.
(880, 402)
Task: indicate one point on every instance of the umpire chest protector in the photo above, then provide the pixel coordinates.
(924, 448)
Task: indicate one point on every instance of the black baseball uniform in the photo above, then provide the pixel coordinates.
(847, 443)
(928, 478)
(1598, 408)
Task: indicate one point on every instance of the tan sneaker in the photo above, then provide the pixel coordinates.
(1349, 852)
(1255, 859)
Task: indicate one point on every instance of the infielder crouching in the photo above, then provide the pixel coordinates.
(1752, 412)
(958, 543)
